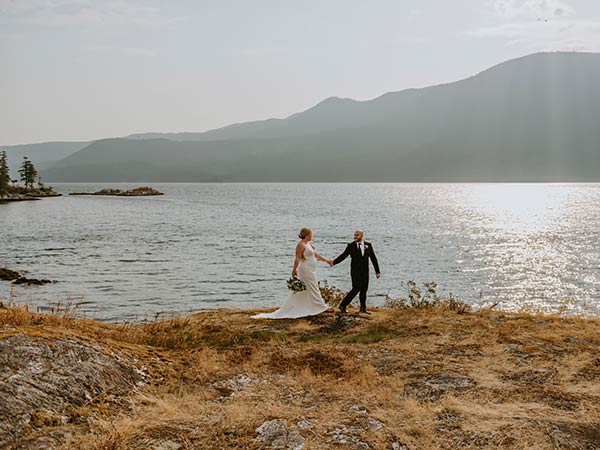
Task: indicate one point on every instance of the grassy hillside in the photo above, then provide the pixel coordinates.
(399, 378)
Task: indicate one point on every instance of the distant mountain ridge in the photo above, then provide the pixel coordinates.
(529, 119)
(43, 155)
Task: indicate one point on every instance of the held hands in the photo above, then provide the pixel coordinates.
(330, 262)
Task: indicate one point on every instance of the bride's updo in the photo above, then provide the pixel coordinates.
(304, 232)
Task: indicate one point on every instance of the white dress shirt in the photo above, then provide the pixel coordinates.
(361, 247)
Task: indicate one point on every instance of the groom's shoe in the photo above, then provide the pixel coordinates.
(343, 310)
(364, 311)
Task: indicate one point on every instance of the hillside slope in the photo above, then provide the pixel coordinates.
(528, 119)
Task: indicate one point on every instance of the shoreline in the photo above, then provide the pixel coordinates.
(398, 378)
(20, 194)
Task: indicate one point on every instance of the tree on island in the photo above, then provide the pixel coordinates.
(27, 172)
(4, 175)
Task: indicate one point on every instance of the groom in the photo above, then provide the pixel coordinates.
(360, 252)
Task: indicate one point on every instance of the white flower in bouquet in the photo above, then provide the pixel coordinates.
(296, 285)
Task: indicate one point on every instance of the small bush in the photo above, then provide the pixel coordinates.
(425, 299)
(331, 295)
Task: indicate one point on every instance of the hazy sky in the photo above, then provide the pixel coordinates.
(87, 69)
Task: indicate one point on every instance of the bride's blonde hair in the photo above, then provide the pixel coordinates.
(304, 232)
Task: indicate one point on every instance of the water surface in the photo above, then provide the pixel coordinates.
(206, 246)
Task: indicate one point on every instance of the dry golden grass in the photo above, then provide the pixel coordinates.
(435, 379)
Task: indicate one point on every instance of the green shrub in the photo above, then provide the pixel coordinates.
(426, 298)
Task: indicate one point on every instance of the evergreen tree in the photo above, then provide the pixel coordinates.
(27, 172)
(4, 175)
(33, 174)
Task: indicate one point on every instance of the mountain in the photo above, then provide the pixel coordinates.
(43, 155)
(528, 119)
(229, 132)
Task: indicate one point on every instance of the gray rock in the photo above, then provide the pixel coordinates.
(275, 433)
(368, 423)
(234, 385)
(41, 378)
(305, 424)
(295, 394)
(356, 409)
(514, 347)
(168, 445)
(347, 437)
(436, 386)
(398, 446)
(267, 329)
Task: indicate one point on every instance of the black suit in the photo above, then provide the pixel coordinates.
(359, 271)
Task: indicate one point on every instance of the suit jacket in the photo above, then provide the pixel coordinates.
(359, 267)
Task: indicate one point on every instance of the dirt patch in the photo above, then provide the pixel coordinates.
(336, 324)
(319, 363)
(574, 436)
(591, 372)
(407, 365)
(449, 420)
(529, 377)
(470, 350)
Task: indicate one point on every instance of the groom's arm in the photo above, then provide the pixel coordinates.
(343, 256)
(374, 261)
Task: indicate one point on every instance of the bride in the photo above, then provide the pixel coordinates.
(308, 302)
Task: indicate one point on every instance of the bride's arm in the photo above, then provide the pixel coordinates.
(320, 258)
(299, 256)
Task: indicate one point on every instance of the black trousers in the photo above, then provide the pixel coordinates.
(360, 285)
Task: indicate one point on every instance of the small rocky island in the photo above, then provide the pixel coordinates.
(19, 194)
(136, 192)
(31, 187)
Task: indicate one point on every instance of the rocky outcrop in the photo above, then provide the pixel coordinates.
(17, 278)
(276, 435)
(136, 192)
(8, 275)
(434, 387)
(19, 194)
(43, 381)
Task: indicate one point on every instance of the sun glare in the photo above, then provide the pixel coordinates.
(522, 208)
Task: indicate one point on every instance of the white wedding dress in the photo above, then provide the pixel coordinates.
(304, 303)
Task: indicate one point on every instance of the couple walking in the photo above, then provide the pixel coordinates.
(309, 302)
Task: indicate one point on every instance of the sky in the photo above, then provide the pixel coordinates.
(89, 69)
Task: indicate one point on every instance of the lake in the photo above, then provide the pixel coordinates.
(207, 246)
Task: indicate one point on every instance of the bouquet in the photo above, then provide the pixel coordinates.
(296, 285)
